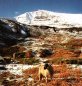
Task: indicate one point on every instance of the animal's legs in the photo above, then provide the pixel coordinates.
(46, 79)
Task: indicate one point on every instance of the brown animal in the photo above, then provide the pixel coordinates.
(45, 70)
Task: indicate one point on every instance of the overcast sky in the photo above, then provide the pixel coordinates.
(12, 8)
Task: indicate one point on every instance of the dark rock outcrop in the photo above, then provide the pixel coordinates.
(11, 32)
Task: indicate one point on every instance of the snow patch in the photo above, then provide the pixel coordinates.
(18, 69)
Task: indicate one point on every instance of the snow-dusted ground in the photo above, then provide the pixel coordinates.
(17, 69)
(76, 66)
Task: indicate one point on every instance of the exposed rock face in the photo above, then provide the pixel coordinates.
(11, 32)
(36, 31)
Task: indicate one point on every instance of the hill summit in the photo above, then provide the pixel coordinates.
(49, 18)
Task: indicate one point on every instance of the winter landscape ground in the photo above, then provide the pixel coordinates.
(39, 37)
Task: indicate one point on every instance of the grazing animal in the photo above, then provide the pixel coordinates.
(45, 70)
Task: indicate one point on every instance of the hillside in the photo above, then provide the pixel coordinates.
(41, 37)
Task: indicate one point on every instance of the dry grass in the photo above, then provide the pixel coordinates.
(63, 76)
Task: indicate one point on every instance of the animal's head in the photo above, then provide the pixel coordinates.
(46, 66)
(49, 67)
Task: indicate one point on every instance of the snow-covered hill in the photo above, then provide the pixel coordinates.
(48, 18)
